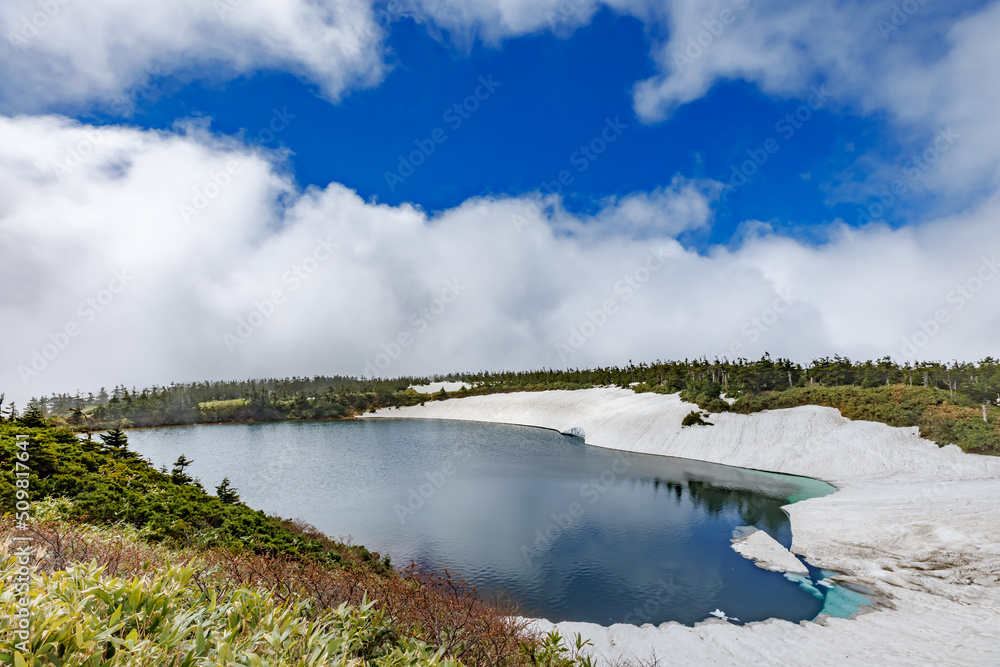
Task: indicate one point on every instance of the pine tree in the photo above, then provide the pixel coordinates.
(32, 418)
(227, 493)
(177, 474)
(116, 443)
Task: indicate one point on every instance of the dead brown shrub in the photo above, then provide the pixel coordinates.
(434, 608)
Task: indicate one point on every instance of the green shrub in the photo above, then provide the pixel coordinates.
(706, 395)
(933, 411)
(110, 484)
(694, 418)
(81, 618)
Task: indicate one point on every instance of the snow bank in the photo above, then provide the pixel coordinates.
(917, 524)
(768, 553)
(435, 387)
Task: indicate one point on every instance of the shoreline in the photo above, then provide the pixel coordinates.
(388, 415)
(916, 524)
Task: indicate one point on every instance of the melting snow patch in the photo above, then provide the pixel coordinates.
(766, 552)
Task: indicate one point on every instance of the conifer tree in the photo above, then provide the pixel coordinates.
(227, 493)
(178, 474)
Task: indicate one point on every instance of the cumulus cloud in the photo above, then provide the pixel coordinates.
(668, 211)
(780, 46)
(67, 52)
(159, 257)
(924, 67)
(148, 257)
(495, 20)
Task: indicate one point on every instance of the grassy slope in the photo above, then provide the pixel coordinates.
(82, 618)
(131, 602)
(939, 417)
(106, 506)
(109, 487)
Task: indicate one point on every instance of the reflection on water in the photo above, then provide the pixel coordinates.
(573, 532)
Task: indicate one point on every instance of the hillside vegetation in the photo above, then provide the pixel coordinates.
(143, 567)
(946, 401)
(138, 566)
(81, 617)
(940, 417)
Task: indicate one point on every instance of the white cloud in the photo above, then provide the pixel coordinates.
(668, 211)
(926, 67)
(73, 51)
(68, 52)
(466, 286)
(152, 248)
(493, 21)
(59, 52)
(779, 46)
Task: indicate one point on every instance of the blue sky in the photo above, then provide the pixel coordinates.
(553, 97)
(194, 190)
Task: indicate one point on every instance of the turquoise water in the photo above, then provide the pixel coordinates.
(572, 532)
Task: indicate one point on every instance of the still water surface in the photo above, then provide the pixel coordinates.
(573, 532)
